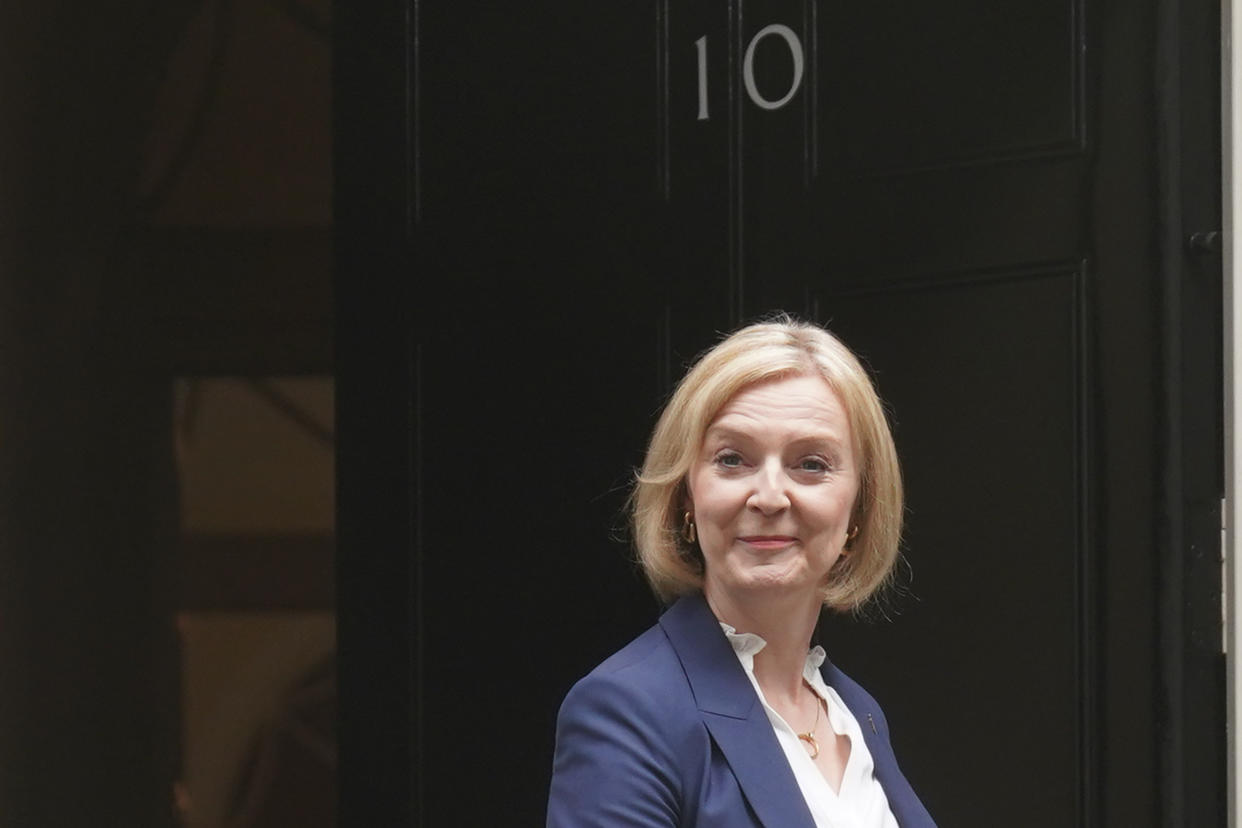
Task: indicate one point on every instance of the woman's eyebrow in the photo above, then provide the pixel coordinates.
(723, 432)
(826, 438)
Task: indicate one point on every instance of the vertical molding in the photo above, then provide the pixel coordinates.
(414, 430)
(1087, 597)
(1078, 60)
(413, 120)
(1169, 524)
(810, 128)
(663, 149)
(737, 247)
(416, 639)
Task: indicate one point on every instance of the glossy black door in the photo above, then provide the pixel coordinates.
(543, 213)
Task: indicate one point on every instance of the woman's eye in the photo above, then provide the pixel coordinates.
(729, 460)
(813, 464)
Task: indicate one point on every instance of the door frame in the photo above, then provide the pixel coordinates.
(1231, 508)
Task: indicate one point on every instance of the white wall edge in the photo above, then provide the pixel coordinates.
(1231, 202)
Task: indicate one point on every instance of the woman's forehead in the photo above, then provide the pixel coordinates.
(805, 401)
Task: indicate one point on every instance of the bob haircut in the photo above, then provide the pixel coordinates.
(767, 351)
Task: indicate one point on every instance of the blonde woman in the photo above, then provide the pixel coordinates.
(770, 492)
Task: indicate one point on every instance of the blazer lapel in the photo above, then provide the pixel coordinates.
(733, 715)
(902, 800)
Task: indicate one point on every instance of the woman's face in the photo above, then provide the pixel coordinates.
(772, 490)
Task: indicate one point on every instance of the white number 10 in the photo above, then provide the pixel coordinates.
(748, 68)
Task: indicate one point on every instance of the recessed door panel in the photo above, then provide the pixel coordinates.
(990, 606)
(950, 83)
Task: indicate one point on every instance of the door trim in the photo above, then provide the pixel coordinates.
(1231, 514)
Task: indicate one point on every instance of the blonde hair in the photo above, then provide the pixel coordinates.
(766, 351)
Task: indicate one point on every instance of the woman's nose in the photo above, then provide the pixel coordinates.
(769, 495)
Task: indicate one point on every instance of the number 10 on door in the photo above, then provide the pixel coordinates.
(748, 69)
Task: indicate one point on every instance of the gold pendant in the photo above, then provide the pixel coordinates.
(809, 738)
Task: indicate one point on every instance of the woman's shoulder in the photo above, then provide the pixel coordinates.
(626, 735)
(634, 711)
(644, 675)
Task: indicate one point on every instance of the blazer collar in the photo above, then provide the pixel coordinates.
(733, 715)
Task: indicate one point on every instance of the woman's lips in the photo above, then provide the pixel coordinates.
(768, 541)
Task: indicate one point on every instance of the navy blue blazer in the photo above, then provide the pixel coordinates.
(670, 732)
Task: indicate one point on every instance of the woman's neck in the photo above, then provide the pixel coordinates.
(786, 625)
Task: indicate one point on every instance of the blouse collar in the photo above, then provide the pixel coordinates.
(748, 645)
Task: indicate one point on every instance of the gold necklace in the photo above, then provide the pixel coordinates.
(809, 736)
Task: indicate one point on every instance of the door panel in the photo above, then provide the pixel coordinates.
(982, 649)
(951, 83)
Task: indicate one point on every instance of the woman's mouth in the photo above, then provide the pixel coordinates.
(768, 541)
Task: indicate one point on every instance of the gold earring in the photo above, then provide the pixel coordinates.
(853, 533)
(687, 527)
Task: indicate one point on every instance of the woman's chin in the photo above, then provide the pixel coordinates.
(774, 581)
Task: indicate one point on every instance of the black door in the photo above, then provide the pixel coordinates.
(543, 213)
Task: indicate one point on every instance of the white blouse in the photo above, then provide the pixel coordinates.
(861, 802)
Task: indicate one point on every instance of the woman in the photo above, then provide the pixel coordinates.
(770, 491)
